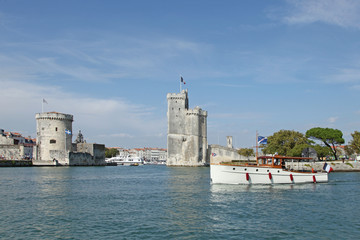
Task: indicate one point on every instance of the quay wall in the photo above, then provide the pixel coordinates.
(338, 166)
(15, 163)
(218, 153)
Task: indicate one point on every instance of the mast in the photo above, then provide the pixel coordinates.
(257, 147)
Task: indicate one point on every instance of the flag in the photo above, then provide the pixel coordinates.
(327, 167)
(262, 140)
(213, 154)
(44, 101)
(182, 80)
(67, 131)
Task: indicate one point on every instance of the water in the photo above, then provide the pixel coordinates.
(158, 202)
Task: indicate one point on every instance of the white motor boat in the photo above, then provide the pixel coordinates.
(267, 170)
(129, 160)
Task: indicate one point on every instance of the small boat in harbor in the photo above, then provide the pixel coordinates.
(129, 160)
(266, 170)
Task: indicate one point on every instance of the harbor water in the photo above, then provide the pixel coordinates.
(159, 202)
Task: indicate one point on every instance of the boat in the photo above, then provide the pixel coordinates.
(129, 160)
(266, 170)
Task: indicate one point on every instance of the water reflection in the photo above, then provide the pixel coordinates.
(53, 187)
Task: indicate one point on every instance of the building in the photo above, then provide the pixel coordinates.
(54, 143)
(13, 146)
(150, 154)
(187, 132)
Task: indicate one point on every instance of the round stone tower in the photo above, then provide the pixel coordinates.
(54, 138)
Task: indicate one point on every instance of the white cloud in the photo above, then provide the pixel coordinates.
(111, 121)
(343, 13)
(332, 119)
(112, 57)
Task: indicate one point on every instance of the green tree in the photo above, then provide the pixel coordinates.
(349, 150)
(286, 142)
(247, 152)
(355, 142)
(321, 151)
(329, 136)
(297, 150)
(111, 152)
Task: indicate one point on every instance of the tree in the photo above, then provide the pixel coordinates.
(286, 142)
(355, 143)
(329, 136)
(321, 151)
(247, 152)
(349, 150)
(111, 152)
(297, 150)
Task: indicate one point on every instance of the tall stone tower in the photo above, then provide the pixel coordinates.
(229, 141)
(52, 143)
(187, 132)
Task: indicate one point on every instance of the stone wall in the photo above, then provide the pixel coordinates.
(217, 154)
(15, 163)
(88, 154)
(338, 166)
(11, 152)
(187, 132)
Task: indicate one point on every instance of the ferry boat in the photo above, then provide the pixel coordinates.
(266, 170)
(129, 160)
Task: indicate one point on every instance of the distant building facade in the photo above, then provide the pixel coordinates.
(187, 132)
(54, 143)
(149, 154)
(13, 146)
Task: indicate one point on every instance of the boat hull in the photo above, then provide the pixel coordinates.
(232, 174)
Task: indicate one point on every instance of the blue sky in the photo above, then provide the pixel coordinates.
(253, 65)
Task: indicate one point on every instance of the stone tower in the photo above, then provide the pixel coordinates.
(187, 132)
(52, 143)
(229, 141)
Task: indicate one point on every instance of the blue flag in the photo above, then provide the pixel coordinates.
(67, 131)
(262, 140)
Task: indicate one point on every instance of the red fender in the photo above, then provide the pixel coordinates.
(247, 177)
(314, 179)
(270, 177)
(291, 177)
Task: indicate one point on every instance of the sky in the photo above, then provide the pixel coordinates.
(255, 66)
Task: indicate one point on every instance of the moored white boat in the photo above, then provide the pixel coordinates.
(129, 160)
(267, 170)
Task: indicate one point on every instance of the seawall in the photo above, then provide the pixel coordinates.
(338, 166)
(15, 163)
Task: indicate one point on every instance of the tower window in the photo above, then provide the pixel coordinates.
(52, 141)
(56, 129)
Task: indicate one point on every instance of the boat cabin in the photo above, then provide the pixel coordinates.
(277, 161)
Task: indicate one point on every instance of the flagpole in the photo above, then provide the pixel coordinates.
(257, 147)
(180, 84)
(65, 146)
(42, 105)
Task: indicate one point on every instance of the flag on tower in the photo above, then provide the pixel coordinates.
(44, 101)
(182, 80)
(68, 132)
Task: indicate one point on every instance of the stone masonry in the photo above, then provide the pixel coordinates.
(54, 143)
(187, 132)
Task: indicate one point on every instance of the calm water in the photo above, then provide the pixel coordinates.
(157, 202)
